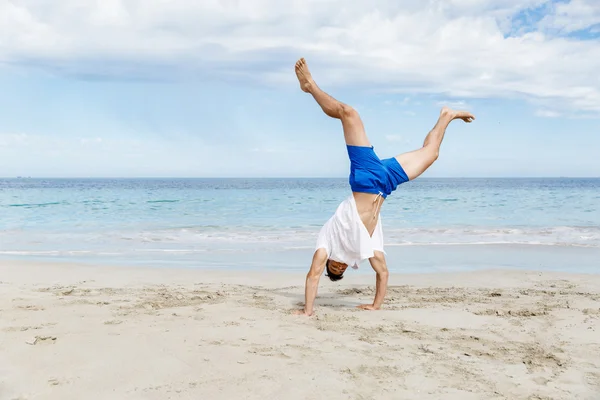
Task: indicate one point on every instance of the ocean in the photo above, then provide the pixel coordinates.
(429, 224)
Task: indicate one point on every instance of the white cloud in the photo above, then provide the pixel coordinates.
(456, 104)
(573, 16)
(48, 155)
(13, 139)
(404, 102)
(86, 140)
(393, 138)
(266, 150)
(457, 48)
(547, 113)
(51, 155)
(397, 138)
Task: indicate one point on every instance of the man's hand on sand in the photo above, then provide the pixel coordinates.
(301, 312)
(368, 307)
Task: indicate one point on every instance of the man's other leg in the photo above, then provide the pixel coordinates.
(354, 130)
(416, 162)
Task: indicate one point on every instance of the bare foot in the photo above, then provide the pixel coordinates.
(454, 114)
(303, 74)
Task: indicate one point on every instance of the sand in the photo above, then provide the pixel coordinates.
(88, 332)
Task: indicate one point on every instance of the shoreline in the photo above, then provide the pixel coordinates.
(48, 269)
(83, 331)
(400, 259)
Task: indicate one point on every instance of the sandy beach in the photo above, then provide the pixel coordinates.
(75, 331)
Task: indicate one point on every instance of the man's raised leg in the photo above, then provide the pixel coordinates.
(416, 162)
(354, 130)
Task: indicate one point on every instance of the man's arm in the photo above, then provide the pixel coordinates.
(379, 265)
(312, 281)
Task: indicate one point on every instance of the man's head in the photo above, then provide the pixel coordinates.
(335, 270)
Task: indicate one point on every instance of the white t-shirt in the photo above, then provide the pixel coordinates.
(346, 239)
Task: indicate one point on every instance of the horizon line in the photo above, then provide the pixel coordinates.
(289, 177)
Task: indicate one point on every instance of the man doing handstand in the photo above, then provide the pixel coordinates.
(354, 232)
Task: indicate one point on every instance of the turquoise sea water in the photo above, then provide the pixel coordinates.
(429, 224)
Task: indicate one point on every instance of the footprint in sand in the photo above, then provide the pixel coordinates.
(31, 308)
(21, 328)
(113, 322)
(41, 339)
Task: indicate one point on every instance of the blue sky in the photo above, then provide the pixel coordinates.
(141, 89)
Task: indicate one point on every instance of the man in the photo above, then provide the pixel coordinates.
(354, 232)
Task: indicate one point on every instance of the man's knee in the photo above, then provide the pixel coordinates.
(379, 256)
(432, 153)
(349, 113)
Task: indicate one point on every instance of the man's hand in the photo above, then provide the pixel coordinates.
(312, 280)
(380, 266)
(301, 312)
(368, 307)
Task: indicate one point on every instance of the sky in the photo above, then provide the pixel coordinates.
(155, 88)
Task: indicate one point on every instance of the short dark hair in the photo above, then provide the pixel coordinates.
(331, 275)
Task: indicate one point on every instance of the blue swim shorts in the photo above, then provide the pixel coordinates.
(370, 174)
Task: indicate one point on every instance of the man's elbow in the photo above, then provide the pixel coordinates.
(383, 273)
(313, 276)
